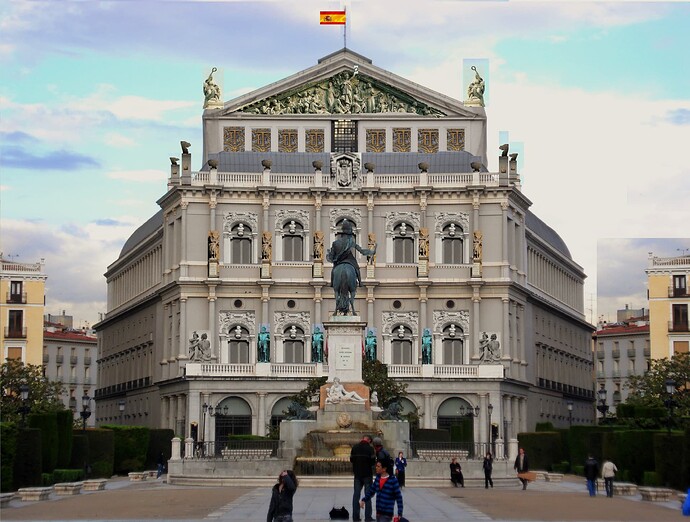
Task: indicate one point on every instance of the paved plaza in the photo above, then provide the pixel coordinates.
(155, 500)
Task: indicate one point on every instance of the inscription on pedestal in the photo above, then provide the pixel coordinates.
(345, 358)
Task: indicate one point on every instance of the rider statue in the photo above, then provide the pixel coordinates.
(341, 253)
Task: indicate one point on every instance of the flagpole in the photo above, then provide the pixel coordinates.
(345, 29)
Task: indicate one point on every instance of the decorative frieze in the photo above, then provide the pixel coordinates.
(402, 140)
(233, 139)
(376, 140)
(444, 218)
(228, 320)
(314, 140)
(427, 140)
(443, 318)
(287, 140)
(261, 140)
(390, 319)
(351, 214)
(282, 320)
(248, 218)
(455, 140)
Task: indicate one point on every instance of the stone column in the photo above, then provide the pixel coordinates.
(180, 416)
(183, 246)
(483, 419)
(176, 451)
(213, 322)
(428, 416)
(523, 414)
(504, 240)
(475, 321)
(261, 421)
(165, 413)
(505, 341)
(173, 415)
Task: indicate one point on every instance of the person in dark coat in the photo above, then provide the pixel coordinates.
(363, 458)
(383, 455)
(456, 473)
(280, 508)
(488, 467)
(161, 464)
(522, 466)
(591, 473)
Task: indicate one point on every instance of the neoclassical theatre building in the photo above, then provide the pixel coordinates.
(240, 246)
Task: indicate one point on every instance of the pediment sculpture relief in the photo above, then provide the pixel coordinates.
(344, 93)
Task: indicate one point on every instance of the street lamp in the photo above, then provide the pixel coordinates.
(669, 402)
(602, 407)
(570, 413)
(490, 409)
(121, 406)
(24, 408)
(85, 412)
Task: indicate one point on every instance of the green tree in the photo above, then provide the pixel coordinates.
(44, 395)
(375, 375)
(650, 389)
(306, 397)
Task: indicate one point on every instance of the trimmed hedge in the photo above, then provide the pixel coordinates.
(101, 453)
(635, 452)
(131, 446)
(64, 435)
(80, 450)
(27, 461)
(544, 426)
(47, 423)
(669, 459)
(8, 450)
(160, 440)
(651, 478)
(543, 449)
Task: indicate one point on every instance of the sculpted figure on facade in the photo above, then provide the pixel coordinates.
(426, 346)
(199, 348)
(266, 246)
(477, 246)
(371, 245)
(424, 243)
(211, 90)
(213, 245)
(317, 345)
(370, 345)
(264, 345)
(318, 245)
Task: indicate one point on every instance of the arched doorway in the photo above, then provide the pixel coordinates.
(456, 416)
(278, 413)
(237, 421)
(409, 407)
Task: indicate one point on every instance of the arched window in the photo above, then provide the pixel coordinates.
(452, 244)
(293, 241)
(454, 412)
(453, 345)
(293, 344)
(240, 244)
(339, 227)
(238, 345)
(401, 345)
(403, 243)
(237, 420)
(278, 411)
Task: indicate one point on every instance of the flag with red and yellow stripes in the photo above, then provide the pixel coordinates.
(332, 18)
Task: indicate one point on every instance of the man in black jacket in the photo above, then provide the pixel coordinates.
(363, 458)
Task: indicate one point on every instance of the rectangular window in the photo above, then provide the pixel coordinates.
(16, 294)
(14, 353)
(401, 351)
(681, 347)
(680, 318)
(452, 351)
(679, 286)
(15, 328)
(344, 136)
(239, 352)
(294, 351)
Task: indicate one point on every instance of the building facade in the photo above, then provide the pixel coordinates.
(622, 350)
(240, 247)
(669, 299)
(69, 356)
(22, 302)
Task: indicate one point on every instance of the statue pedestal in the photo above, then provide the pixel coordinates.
(345, 336)
(427, 370)
(423, 268)
(317, 269)
(263, 369)
(265, 270)
(476, 269)
(213, 268)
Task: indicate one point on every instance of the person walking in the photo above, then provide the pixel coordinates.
(400, 465)
(363, 458)
(488, 467)
(383, 455)
(161, 464)
(456, 473)
(591, 474)
(388, 494)
(608, 471)
(280, 508)
(522, 466)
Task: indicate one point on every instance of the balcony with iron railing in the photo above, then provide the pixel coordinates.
(15, 333)
(631, 353)
(73, 360)
(616, 353)
(16, 298)
(59, 358)
(678, 292)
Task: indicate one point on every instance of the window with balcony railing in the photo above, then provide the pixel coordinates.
(680, 288)
(680, 318)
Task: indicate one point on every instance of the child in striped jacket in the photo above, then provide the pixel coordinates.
(387, 491)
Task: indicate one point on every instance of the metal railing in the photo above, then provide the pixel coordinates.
(447, 450)
(16, 298)
(15, 333)
(235, 450)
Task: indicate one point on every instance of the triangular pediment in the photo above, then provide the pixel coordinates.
(346, 83)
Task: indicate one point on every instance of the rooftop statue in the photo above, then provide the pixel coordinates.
(211, 90)
(345, 276)
(475, 91)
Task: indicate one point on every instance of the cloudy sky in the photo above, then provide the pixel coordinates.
(95, 96)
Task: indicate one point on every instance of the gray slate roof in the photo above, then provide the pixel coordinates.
(548, 234)
(151, 226)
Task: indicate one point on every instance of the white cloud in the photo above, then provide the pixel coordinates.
(144, 176)
(4, 188)
(115, 139)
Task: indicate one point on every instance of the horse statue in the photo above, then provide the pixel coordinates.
(345, 275)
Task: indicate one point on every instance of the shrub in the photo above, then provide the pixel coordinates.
(651, 478)
(635, 452)
(562, 467)
(131, 446)
(68, 475)
(80, 450)
(668, 459)
(159, 440)
(47, 479)
(579, 470)
(543, 448)
(544, 426)
(101, 451)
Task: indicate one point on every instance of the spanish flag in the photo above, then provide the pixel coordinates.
(332, 18)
